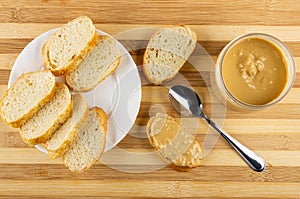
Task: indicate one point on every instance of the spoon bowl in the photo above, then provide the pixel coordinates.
(188, 106)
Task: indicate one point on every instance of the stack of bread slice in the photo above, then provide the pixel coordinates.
(78, 53)
(47, 114)
(44, 110)
(40, 127)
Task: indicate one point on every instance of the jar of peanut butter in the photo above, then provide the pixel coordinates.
(255, 71)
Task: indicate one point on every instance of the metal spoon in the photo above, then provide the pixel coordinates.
(187, 102)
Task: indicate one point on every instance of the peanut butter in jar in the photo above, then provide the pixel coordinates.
(255, 71)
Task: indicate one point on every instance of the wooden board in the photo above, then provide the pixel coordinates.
(273, 133)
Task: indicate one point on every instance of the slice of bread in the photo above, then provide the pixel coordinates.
(49, 117)
(89, 143)
(102, 61)
(63, 137)
(167, 51)
(173, 143)
(26, 95)
(67, 47)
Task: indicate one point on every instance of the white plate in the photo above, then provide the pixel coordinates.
(119, 95)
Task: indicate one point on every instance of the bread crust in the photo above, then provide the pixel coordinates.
(170, 164)
(18, 123)
(102, 118)
(45, 137)
(71, 85)
(74, 62)
(53, 154)
(147, 75)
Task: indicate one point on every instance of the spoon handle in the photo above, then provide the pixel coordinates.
(251, 158)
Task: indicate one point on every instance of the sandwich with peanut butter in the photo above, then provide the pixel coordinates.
(173, 143)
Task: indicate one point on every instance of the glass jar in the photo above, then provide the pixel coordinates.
(290, 68)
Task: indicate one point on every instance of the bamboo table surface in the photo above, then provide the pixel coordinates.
(274, 133)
